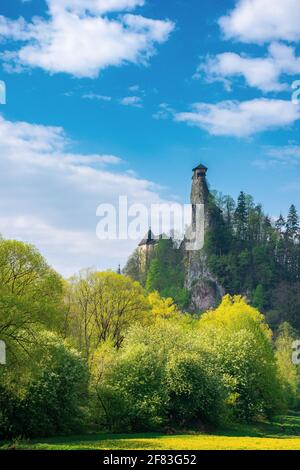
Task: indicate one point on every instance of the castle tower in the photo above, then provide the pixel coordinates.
(145, 248)
(204, 289)
(199, 193)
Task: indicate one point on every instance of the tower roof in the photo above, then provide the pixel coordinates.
(200, 167)
(149, 239)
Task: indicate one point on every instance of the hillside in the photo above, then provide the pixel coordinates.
(245, 252)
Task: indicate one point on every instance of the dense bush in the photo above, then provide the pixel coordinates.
(52, 395)
(288, 372)
(133, 390)
(195, 390)
(9, 403)
(241, 342)
(175, 373)
(160, 377)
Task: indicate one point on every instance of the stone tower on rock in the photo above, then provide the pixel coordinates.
(204, 288)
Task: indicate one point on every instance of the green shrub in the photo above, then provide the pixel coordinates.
(160, 377)
(195, 391)
(241, 342)
(51, 398)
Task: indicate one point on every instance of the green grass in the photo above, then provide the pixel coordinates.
(282, 434)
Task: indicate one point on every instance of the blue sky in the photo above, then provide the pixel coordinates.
(110, 97)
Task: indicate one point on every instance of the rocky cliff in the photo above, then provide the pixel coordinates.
(205, 290)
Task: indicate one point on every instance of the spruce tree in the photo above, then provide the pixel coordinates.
(280, 224)
(241, 217)
(292, 225)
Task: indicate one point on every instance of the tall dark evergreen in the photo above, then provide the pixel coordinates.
(292, 224)
(280, 224)
(241, 216)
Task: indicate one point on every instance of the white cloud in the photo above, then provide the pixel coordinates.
(49, 196)
(261, 21)
(80, 40)
(165, 111)
(94, 6)
(241, 119)
(134, 88)
(262, 73)
(135, 101)
(96, 96)
(289, 151)
(288, 155)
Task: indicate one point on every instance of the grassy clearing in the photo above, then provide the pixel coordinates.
(282, 434)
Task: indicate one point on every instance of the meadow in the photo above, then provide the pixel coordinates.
(282, 434)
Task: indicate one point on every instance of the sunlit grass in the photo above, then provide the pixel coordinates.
(283, 434)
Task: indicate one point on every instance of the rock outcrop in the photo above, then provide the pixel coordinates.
(205, 290)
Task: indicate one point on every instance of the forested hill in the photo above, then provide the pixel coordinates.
(248, 253)
(254, 255)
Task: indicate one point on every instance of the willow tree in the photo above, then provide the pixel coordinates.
(30, 294)
(101, 307)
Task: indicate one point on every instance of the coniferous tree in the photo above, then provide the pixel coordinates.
(229, 208)
(292, 225)
(280, 224)
(241, 217)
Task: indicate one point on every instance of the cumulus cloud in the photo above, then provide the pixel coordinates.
(96, 97)
(79, 38)
(260, 21)
(49, 195)
(94, 6)
(263, 73)
(135, 88)
(288, 155)
(165, 111)
(135, 101)
(241, 119)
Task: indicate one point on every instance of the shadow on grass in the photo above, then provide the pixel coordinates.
(283, 427)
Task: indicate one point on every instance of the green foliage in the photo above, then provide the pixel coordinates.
(258, 297)
(148, 365)
(166, 273)
(101, 308)
(253, 256)
(217, 239)
(194, 388)
(160, 377)
(241, 216)
(9, 403)
(173, 374)
(287, 370)
(239, 339)
(30, 294)
(133, 268)
(292, 224)
(52, 392)
(162, 308)
(136, 385)
(286, 303)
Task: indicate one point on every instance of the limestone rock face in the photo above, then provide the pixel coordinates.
(204, 296)
(205, 290)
